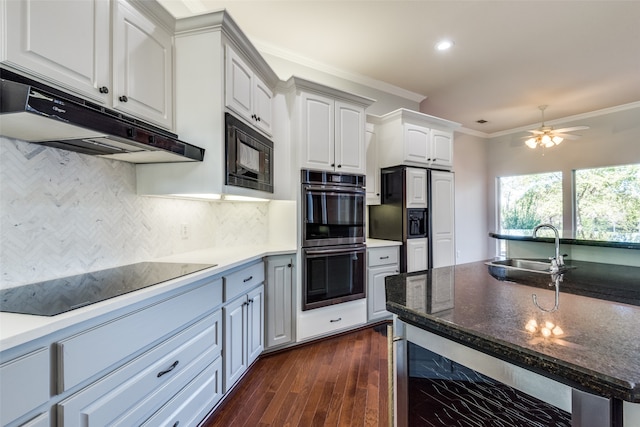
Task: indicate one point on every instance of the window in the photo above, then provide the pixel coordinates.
(607, 203)
(528, 200)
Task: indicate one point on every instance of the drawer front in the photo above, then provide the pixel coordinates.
(325, 320)
(382, 256)
(242, 281)
(24, 385)
(146, 383)
(89, 353)
(191, 405)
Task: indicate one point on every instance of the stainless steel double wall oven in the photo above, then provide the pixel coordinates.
(333, 238)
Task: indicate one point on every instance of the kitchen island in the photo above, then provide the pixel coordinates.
(586, 363)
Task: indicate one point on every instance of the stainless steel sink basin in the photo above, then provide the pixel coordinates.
(526, 265)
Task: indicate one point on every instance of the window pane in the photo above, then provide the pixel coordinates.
(529, 200)
(608, 203)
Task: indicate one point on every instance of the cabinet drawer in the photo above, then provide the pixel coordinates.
(193, 403)
(143, 385)
(382, 256)
(24, 385)
(325, 320)
(242, 281)
(89, 353)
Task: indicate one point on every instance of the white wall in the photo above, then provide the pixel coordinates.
(613, 139)
(470, 167)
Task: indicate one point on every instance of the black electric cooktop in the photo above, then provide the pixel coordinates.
(57, 296)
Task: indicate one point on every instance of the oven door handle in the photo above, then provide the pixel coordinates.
(333, 251)
(332, 189)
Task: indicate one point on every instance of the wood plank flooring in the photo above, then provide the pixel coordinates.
(341, 381)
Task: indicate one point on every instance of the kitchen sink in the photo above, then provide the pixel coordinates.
(532, 266)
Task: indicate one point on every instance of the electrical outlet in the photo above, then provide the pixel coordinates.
(184, 231)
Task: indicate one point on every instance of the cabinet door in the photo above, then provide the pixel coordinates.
(349, 138)
(64, 42)
(376, 298)
(442, 218)
(373, 167)
(235, 341)
(416, 144)
(255, 324)
(416, 188)
(279, 297)
(143, 77)
(441, 148)
(262, 105)
(238, 84)
(417, 255)
(317, 132)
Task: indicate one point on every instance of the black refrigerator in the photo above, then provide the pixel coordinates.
(417, 209)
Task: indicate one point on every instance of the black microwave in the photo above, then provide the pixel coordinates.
(249, 156)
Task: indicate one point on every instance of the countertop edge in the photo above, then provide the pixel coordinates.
(568, 241)
(527, 359)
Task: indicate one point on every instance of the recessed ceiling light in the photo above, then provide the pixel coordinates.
(444, 45)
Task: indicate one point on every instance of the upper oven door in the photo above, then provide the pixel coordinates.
(333, 215)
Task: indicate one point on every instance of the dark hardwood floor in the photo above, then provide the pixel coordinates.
(341, 381)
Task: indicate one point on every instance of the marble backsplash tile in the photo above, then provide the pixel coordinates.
(63, 213)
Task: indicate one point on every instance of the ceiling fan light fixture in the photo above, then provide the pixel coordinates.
(531, 143)
(557, 139)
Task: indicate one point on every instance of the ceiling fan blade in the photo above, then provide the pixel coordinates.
(536, 132)
(567, 135)
(571, 129)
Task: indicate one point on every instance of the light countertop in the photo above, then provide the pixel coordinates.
(17, 329)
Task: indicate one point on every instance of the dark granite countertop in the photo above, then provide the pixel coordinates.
(568, 241)
(598, 349)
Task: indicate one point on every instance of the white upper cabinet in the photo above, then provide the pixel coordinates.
(142, 68)
(330, 127)
(66, 42)
(69, 44)
(373, 168)
(415, 139)
(246, 94)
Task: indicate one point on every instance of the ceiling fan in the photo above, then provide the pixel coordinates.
(547, 136)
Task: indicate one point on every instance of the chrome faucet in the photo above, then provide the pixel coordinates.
(558, 261)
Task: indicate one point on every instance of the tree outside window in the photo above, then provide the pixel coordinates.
(529, 200)
(607, 203)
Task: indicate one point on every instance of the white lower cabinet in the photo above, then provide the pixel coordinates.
(326, 320)
(24, 385)
(381, 262)
(135, 391)
(279, 301)
(243, 322)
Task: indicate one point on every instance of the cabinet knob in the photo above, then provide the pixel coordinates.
(289, 265)
(333, 165)
(103, 89)
(377, 194)
(123, 98)
(253, 116)
(258, 119)
(339, 166)
(176, 424)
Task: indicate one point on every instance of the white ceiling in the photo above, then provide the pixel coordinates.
(577, 56)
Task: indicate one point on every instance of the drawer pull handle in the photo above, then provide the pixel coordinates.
(384, 257)
(171, 368)
(335, 320)
(247, 279)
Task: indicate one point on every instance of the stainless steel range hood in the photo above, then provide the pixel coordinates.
(36, 113)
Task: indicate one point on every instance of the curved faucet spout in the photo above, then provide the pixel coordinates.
(556, 262)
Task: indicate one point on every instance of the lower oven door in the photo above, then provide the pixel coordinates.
(333, 275)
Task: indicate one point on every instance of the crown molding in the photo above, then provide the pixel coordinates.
(278, 52)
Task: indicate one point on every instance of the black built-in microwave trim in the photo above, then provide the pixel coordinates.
(262, 181)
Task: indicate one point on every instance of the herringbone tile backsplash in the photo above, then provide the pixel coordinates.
(63, 213)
